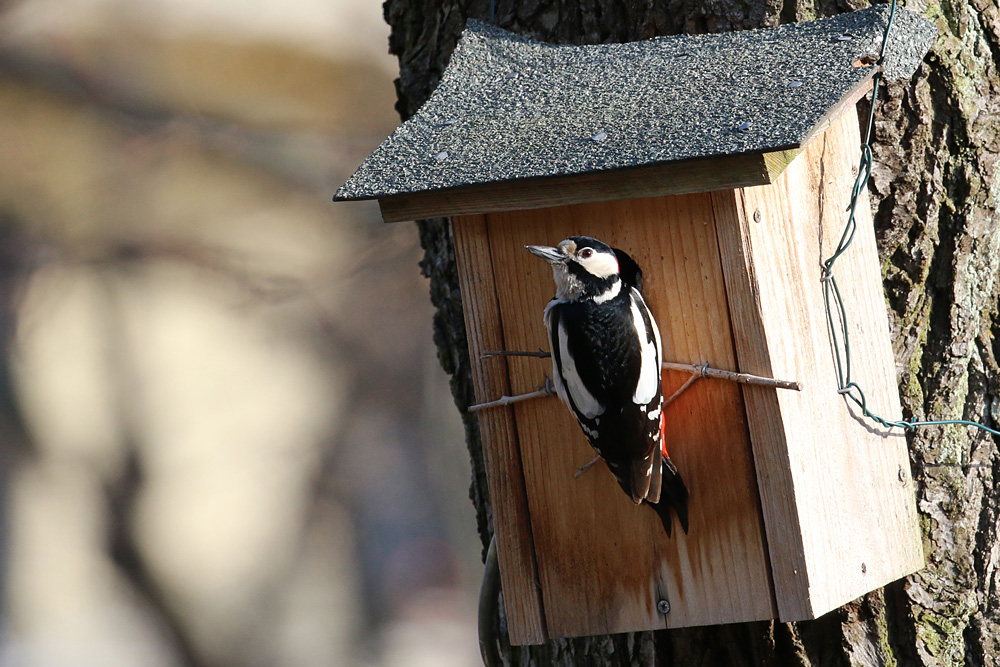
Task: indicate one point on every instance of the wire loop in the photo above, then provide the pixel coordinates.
(836, 313)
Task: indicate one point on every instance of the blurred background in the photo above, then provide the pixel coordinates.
(225, 439)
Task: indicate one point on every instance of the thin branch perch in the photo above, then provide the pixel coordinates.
(585, 467)
(541, 354)
(704, 370)
(509, 400)
(684, 387)
(743, 378)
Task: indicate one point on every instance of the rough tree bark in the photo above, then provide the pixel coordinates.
(936, 195)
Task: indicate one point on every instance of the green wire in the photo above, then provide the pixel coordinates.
(831, 293)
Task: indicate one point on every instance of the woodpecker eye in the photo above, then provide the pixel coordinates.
(586, 253)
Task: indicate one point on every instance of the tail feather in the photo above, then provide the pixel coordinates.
(656, 478)
(673, 495)
(640, 478)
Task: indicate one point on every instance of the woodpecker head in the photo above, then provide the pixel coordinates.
(584, 268)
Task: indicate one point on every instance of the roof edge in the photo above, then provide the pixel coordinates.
(669, 178)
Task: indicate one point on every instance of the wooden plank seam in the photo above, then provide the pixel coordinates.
(517, 444)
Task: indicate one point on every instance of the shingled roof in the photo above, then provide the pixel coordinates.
(510, 110)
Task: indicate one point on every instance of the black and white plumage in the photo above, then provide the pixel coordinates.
(606, 354)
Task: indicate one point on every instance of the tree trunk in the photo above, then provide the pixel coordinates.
(936, 193)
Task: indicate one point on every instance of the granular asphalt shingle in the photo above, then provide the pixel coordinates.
(511, 108)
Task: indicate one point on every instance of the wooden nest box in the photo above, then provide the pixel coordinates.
(723, 164)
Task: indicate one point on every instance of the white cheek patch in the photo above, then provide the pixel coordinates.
(649, 371)
(582, 398)
(601, 264)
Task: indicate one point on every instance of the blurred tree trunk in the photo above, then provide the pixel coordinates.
(936, 194)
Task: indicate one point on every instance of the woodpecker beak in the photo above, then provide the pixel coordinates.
(549, 254)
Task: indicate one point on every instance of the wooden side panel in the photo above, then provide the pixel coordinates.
(603, 563)
(840, 509)
(767, 430)
(501, 455)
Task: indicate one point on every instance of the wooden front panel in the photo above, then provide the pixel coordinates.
(501, 456)
(838, 499)
(603, 563)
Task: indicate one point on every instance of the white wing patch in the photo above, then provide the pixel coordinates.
(582, 398)
(649, 371)
(556, 375)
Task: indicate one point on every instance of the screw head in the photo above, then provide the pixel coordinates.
(663, 607)
(756, 215)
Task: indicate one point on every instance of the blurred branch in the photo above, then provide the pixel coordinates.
(122, 493)
(19, 257)
(121, 496)
(235, 267)
(262, 148)
(62, 79)
(225, 263)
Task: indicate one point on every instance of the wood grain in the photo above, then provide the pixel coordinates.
(688, 176)
(501, 456)
(604, 563)
(837, 498)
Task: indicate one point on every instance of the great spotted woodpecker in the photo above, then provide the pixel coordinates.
(606, 354)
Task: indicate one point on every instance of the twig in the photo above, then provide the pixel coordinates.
(704, 370)
(743, 378)
(508, 400)
(684, 387)
(541, 354)
(585, 467)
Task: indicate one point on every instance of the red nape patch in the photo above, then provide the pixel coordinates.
(663, 440)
